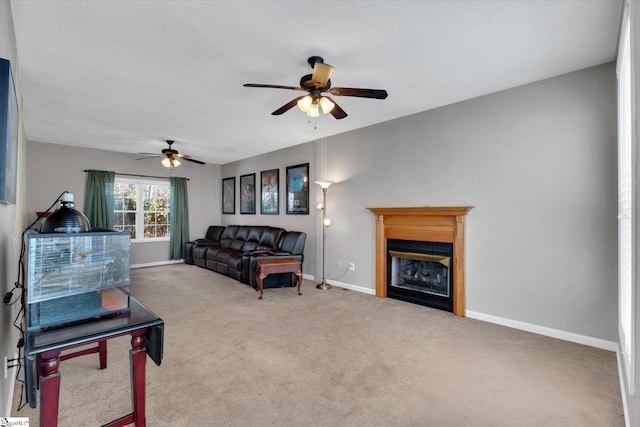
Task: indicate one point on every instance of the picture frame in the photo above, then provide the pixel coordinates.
(298, 189)
(269, 192)
(229, 195)
(9, 135)
(248, 194)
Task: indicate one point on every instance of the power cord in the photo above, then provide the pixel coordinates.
(341, 276)
(9, 300)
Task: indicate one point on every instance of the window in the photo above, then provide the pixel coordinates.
(626, 205)
(142, 208)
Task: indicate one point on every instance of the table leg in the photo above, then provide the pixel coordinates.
(299, 274)
(102, 351)
(260, 284)
(138, 358)
(49, 389)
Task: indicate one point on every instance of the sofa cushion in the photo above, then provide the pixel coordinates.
(293, 242)
(237, 245)
(231, 258)
(270, 237)
(243, 233)
(255, 234)
(228, 235)
(249, 246)
(214, 232)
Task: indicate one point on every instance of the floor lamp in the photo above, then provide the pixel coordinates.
(325, 224)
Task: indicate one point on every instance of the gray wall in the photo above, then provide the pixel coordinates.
(10, 225)
(54, 168)
(538, 162)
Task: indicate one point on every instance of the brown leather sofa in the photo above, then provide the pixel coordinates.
(232, 251)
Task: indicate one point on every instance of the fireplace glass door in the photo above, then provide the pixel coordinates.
(420, 272)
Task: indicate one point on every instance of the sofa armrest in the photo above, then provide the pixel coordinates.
(206, 242)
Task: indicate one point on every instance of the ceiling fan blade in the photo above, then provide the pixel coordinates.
(361, 93)
(272, 86)
(192, 160)
(286, 107)
(321, 74)
(188, 158)
(148, 157)
(337, 112)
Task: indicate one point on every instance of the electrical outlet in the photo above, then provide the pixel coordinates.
(352, 267)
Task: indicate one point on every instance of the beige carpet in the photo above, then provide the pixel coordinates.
(334, 358)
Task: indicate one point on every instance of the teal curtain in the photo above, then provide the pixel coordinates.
(99, 199)
(179, 217)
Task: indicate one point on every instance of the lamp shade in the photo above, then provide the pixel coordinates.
(304, 103)
(314, 110)
(66, 219)
(324, 184)
(326, 104)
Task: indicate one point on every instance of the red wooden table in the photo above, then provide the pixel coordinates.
(42, 358)
(270, 265)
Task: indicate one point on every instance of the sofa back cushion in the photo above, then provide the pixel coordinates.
(228, 235)
(255, 234)
(214, 232)
(249, 246)
(243, 233)
(237, 245)
(293, 242)
(270, 237)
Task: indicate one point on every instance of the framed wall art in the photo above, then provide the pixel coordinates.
(298, 189)
(229, 195)
(269, 189)
(248, 194)
(9, 135)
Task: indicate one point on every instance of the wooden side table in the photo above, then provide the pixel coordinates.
(271, 265)
(43, 356)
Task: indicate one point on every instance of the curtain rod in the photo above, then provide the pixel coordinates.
(139, 176)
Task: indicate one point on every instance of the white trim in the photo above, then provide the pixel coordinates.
(368, 291)
(151, 240)
(157, 263)
(543, 330)
(308, 277)
(625, 409)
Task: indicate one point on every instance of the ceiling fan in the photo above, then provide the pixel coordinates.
(171, 156)
(316, 84)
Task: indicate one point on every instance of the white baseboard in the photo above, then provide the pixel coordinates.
(11, 389)
(154, 264)
(352, 287)
(623, 389)
(308, 277)
(543, 330)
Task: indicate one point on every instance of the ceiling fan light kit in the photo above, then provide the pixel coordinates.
(316, 84)
(167, 162)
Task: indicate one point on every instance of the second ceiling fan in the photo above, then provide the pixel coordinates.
(171, 156)
(316, 84)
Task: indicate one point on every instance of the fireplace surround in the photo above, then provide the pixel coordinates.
(423, 224)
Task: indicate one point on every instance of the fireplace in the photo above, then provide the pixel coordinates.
(420, 272)
(431, 250)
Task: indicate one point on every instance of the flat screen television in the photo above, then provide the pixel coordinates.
(9, 134)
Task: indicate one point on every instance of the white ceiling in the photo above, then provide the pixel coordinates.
(126, 75)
